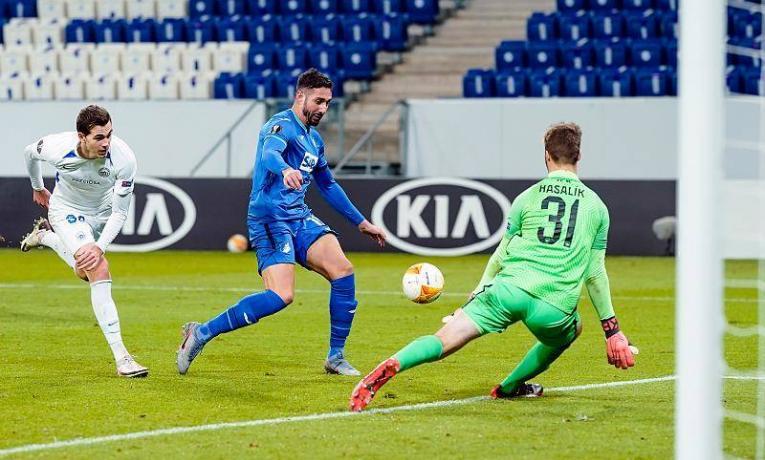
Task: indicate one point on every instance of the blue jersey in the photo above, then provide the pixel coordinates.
(285, 142)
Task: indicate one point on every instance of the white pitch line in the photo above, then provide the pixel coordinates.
(299, 418)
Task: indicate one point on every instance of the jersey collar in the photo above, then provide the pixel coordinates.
(563, 174)
(307, 130)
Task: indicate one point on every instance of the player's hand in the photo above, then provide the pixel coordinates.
(41, 197)
(374, 232)
(293, 178)
(618, 351)
(88, 257)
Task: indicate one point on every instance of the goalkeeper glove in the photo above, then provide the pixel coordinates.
(617, 346)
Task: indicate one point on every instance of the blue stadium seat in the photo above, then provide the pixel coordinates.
(261, 57)
(261, 30)
(478, 83)
(170, 30)
(571, 5)
(511, 83)
(580, 84)
(616, 83)
(388, 7)
(259, 86)
(21, 8)
(541, 27)
(230, 29)
(285, 86)
(641, 26)
(357, 6)
(422, 11)
(4, 13)
(326, 29)
(360, 60)
(734, 79)
(646, 53)
(603, 5)
(651, 82)
(747, 25)
(358, 29)
(391, 32)
(199, 8)
(325, 57)
(576, 55)
(545, 83)
(294, 29)
(668, 26)
(753, 82)
(80, 31)
(510, 54)
(140, 30)
(607, 25)
(292, 57)
(261, 7)
(293, 6)
(338, 80)
(672, 76)
(640, 5)
(543, 54)
(670, 53)
(667, 5)
(574, 27)
(230, 7)
(200, 30)
(609, 53)
(110, 31)
(228, 86)
(320, 7)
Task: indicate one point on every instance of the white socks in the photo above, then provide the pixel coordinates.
(106, 314)
(53, 241)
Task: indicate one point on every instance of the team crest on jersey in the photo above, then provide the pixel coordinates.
(309, 162)
(104, 172)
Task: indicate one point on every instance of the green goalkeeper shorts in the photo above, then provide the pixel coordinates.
(501, 304)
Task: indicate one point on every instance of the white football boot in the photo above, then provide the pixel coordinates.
(33, 238)
(129, 368)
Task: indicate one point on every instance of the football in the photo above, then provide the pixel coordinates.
(423, 283)
(237, 243)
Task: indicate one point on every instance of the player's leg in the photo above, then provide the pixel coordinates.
(42, 234)
(326, 257)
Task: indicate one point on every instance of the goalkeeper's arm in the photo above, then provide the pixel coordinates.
(617, 346)
(495, 263)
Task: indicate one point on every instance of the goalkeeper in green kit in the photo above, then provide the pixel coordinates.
(555, 242)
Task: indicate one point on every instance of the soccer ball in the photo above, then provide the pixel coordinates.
(237, 243)
(423, 283)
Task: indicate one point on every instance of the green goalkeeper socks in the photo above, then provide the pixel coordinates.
(536, 361)
(425, 349)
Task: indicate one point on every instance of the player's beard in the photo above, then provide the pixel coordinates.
(312, 118)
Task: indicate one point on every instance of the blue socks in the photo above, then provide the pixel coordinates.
(342, 308)
(247, 311)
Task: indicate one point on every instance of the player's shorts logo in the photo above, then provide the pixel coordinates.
(104, 172)
(71, 218)
(80, 235)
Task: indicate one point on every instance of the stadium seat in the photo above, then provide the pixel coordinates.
(646, 53)
(230, 30)
(510, 54)
(136, 59)
(668, 26)
(666, 5)
(753, 82)
(607, 25)
(18, 32)
(194, 86)
(141, 9)
(101, 86)
(170, 30)
(38, 88)
(609, 53)
(171, 9)
(747, 25)
(163, 86)
(107, 58)
(111, 31)
(543, 54)
(580, 84)
(356, 6)
(386, 7)
(616, 83)
(140, 31)
(230, 57)
(670, 53)
(69, 88)
(326, 58)
(261, 30)
(197, 58)
(541, 27)
(44, 60)
(576, 55)
(294, 29)
(603, 5)
(338, 82)
(75, 58)
(651, 82)
(22, 8)
(511, 83)
(230, 7)
(167, 57)
(291, 57)
(14, 60)
(422, 11)
(285, 86)
(326, 29)
(11, 87)
(571, 5)
(391, 32)
(51, 9)
(199, 8)
(261, 7)
(640, 5)
(324, 7)
(545, 83)
(259, 86)
(293, 7)
(133, 87)
(228, 86)
(199, 30)
(359, 61)
(48, 32)
(574, 27)
(81, 9)
(479, 83)
(641, 26)
(358, 29)
(80, 31)
(110, 9)
(260, 58)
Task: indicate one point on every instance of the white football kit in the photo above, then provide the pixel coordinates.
(92, 196)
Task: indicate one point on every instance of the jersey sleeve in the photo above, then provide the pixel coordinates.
(45, 149)
(121, 197)
(601, 237)
(274, 144)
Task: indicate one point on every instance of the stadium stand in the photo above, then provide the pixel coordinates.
(612, 48)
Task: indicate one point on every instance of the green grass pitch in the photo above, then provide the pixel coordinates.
(57, 379)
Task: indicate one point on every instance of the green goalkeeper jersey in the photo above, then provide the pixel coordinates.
(554, 225)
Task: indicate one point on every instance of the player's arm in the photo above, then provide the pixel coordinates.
(121, 197)
(273, 147)
(598, 287)
(34, 157)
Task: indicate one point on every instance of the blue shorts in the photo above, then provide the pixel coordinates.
(285, 242)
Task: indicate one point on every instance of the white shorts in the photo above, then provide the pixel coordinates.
(75, 228)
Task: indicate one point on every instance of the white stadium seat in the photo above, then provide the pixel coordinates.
(230, 57)
(133, 87)
(12, 87)
(141, 9)
(106, 58)
(171, 9)
(75, 58)
(81, 9)
(51, 9)
(163, 86)
(13, 60)
(136, 58)
(18, 32)
(69, 87)
(195, 86)
(44, 59)
(167, 57)
(39, 87)
(102, 87)
(48, 31)
(197, 58)
(108, 9)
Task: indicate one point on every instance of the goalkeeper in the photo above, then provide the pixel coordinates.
(555, 242)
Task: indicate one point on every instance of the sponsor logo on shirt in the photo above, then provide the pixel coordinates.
(309, 162)
(71, 218)
(85, 181)
(104, 172)
(69, 166)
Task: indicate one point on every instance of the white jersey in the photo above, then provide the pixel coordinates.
(86, 185)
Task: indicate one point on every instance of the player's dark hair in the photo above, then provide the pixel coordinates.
(91, 116)
(312, 79)
(562, 142)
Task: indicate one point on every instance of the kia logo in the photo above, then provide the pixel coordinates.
(160, 215)
(442, 216)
